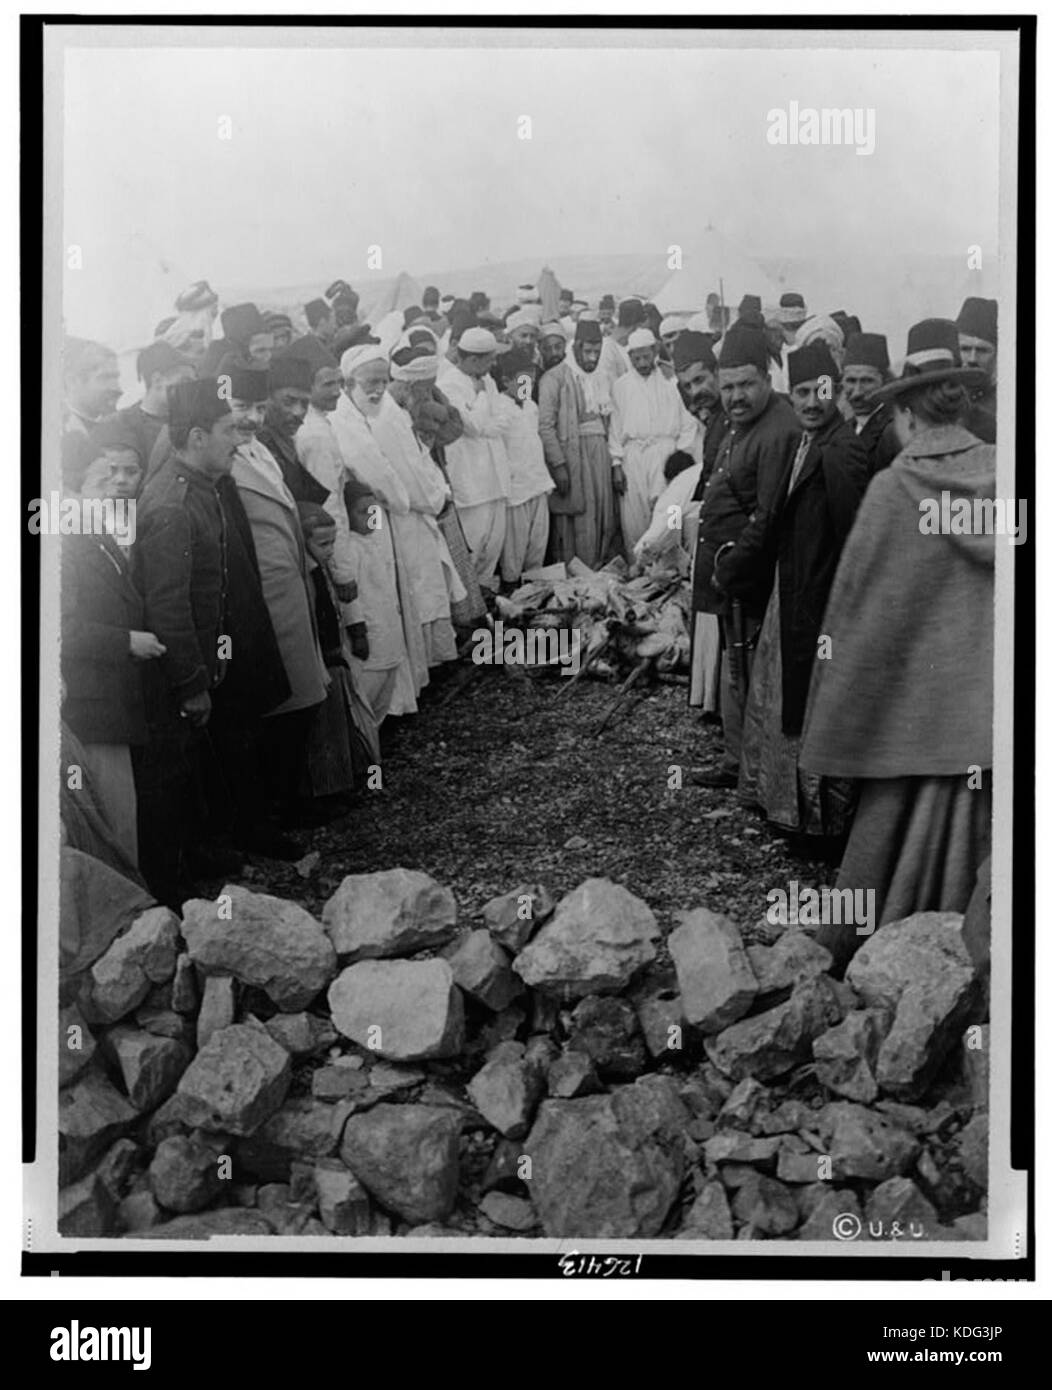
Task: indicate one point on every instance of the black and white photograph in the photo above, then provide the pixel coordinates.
(532, 531)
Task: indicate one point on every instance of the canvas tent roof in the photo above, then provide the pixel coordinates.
(399, 293)
(706, 260)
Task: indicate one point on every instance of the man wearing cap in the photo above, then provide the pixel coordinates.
(158, 366)
(648, 421)
(865, 372)
(607, 310)
(104, 637)
(528, 518)
(792, 312)
(279, 326)
(246, 340)
(523, 333)
(614, 361)
(179, 561)
(750, 464)
(289, 383)
(552, 345)
(573, 411)
(477, 462)
(803, 533)
(977, 335)
(321, 321)
(281, 553)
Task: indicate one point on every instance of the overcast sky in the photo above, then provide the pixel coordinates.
(336, 149)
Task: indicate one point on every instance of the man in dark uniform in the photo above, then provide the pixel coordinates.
(749, 467)
(977, 335)
(180, 563)
(865, 372)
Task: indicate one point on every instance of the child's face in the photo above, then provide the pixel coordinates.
(322, 543)
(362, 513)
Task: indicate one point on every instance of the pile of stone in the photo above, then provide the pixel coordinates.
(551, 1069)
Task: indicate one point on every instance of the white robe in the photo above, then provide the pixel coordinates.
(433, 576)
(367, 462)
(649, 421)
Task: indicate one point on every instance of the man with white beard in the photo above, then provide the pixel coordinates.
(648, 422)
(365, 376)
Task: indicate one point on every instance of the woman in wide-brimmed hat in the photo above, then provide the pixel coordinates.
(906, 702)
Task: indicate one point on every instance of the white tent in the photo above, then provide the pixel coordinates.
(400, 293)
(706, 261)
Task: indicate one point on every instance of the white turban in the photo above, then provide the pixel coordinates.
(641, 338)
(423, 368)
(356, 357)
(819, 326)
(521, 319)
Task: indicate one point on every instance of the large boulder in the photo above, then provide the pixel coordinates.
(343, 1203)
(793, 957)
(403, 1010)
(264, 941)
(600, 936)
(394, 912)
(482, 969)
(772, 1043)
(92, 1114)
(96, 904)
(144, 956)
(608, 1166)
(150, 1066)
(184, 1174)
(513, 918)
(709, 1218)
(506, 1090)
(218, 1007)
(846, 1056)
(406, 1156)
(716, 983)
(920, 968)
(235, 1082)
(864, 1144)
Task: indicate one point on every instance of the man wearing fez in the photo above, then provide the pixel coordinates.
(180, 564)
(750, 464)
(246, 339)
(279, 327)
(865, 372)
(803, 533)
(698, 381)
(159, 366)
(647, 423)
(287, 591)
(574, 406)
(289, 384)
(321, 321)
(977, 335)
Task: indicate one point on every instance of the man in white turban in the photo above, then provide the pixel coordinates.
(648, 422)
(477, 463)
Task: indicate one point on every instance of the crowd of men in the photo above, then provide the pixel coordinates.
(323, 516)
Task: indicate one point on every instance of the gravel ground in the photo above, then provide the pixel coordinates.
(498, 782)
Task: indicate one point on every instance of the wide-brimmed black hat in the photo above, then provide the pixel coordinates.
(933, 353)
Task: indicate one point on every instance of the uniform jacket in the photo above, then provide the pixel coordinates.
(750, 467)
(101, 606)
(180, 566)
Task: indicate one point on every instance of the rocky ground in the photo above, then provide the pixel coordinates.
(529, 988)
